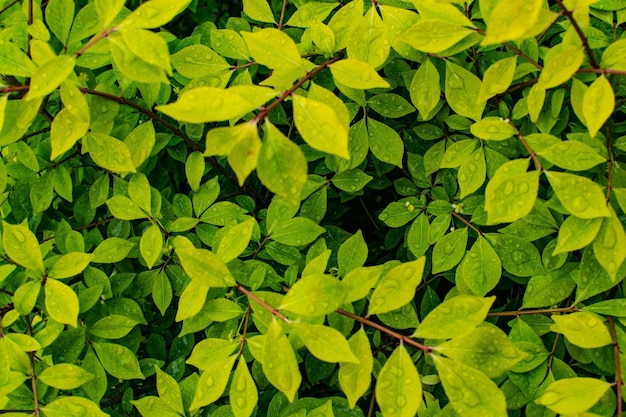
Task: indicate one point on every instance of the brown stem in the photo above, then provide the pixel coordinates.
(263, 304)
(611, 162)
(13, 89)
(94, 40)
(309, 76)
(33, 375)
(282, 15)
(245, 330)
(8, 6)
(466, 222)
(619, 382)
(579, 32)
(86, 226)
(604, 71)
(516, 50)
(400, 337)
(540, 37)
(530, 150)
(246, 65)
(528, 312)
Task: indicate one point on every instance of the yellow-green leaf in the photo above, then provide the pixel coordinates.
(205, 266)
(385, 143)
(258, 10)
(21, 245)
(73, 406)
(279, 362)
(399, 388)
(598, 104)
(471, 392)
(583, 329)
(319, 126)
(243, 392)
(572, 155)
(108, 152)
(325, 343)
(576, 233)
(314, 295)
(511, 193)
(455, 317)
(609, 245)
(397, 287)
(275, 49)
(281, 166)
(357, 74)
(65, 131)
(309, 13)
(70, 264)
(235, 240)
(61, 302)
(462, 91)
(497, 78)
(563, 61)
(50, 75)
(579, 195)
(510, 20)
(434, 35)
(151, 245)
(573, 395)
(481, 268)
(118, 360)
(198, 60)
(355, 378)
(493, 128)
(154, 13)
(425, 88)
(212, 383)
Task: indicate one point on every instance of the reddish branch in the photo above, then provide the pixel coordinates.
(579, 32)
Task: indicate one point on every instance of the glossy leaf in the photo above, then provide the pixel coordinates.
(325, 343)
(355, 378)
(498, 76)
(243, 392)
(511, 193)
(21, 245)
(510, 20)
(357, 74)
(360, 281)
(258, 10)
(397, 287)
(462, 91)
(108, 152)
(471, 393)
(449, 250)
(314, 295)
(279, 362)
(609, 246)
(64, 376)
(352, 253)
(73, 407)
(154, 13)
(433, 35)
(113, 326)
(212, 383)
(572, 155)
(454, 317)
(118, 360)
(549, 289)
(579, 195)
(385, 143)
(563, 62)
(480, 269)
(235, 241)
(151, 245)
(206, 267)
(399, 388)
(519, 256)
(573, 395)
(61, 302)
(493, 128)
(583, 329)
(598, 104)
(425, 89)
(50, 75)
(70, 264)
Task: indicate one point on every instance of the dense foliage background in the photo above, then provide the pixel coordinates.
(312, 208)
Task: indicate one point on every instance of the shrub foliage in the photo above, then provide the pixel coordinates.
(319, 208)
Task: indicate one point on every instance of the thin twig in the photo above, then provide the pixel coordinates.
(611, 162)
(282, 15)
(263, 304)
(374, 325)
(529, 312)
(94, 40)
(8, 6)
(619, 382)
(466, 222)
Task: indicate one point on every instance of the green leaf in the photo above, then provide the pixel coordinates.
(258, 10)
(616, 308)
(309, 13)
(598, 104)
(21, 245)
(551, 288)
(124, 208)
(573, 395)
(344, 22)
(579, 195)
(486, 345)
(360, 281)
(73, 407)
(209, 352)
(572, 155)
(511, 19)
(352, 253)
(498, 77)
(319, 126)
(357, 74)
(212, 383)
(454, 317)
(390, 105)
(576, 233)
(368, 41)
(70, 264)
(397, 287)
(355, 378)
(534, 101)
(323, 37)
(112, 250)
(351, 180)
(25, 297)
(298, 231)
(385, 143)
(109, 153)
(462, 91)
(235, 240)
(480, 269)
(147, 46)
(204, 266)
(151, 245)
(472, 173)
(64, 376)
(229, 43)
(325, 343)
(61, 302)
(279, 362)
(243, 392)
(282, 167)
(118, 360)
(609, 246)
(314, 295)
(425, 88)
(169, 391)
(583, 329)
(434, 35)
(592, 279)
(154, 13)
(140, 143)
(519, 257)
(511, 193)
(563, 61)
(152, 406)
(194, 170)
(493, 128)
(113, 326)
(449, 250)
(457, 153)
(50, 75)
(399, 388)
(471, 393)
(108, 10)
(397, 214)
(59, 16)
(13, 61)
(65, 131)
(417, 238)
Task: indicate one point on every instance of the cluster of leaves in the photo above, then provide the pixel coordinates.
(187, 218)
